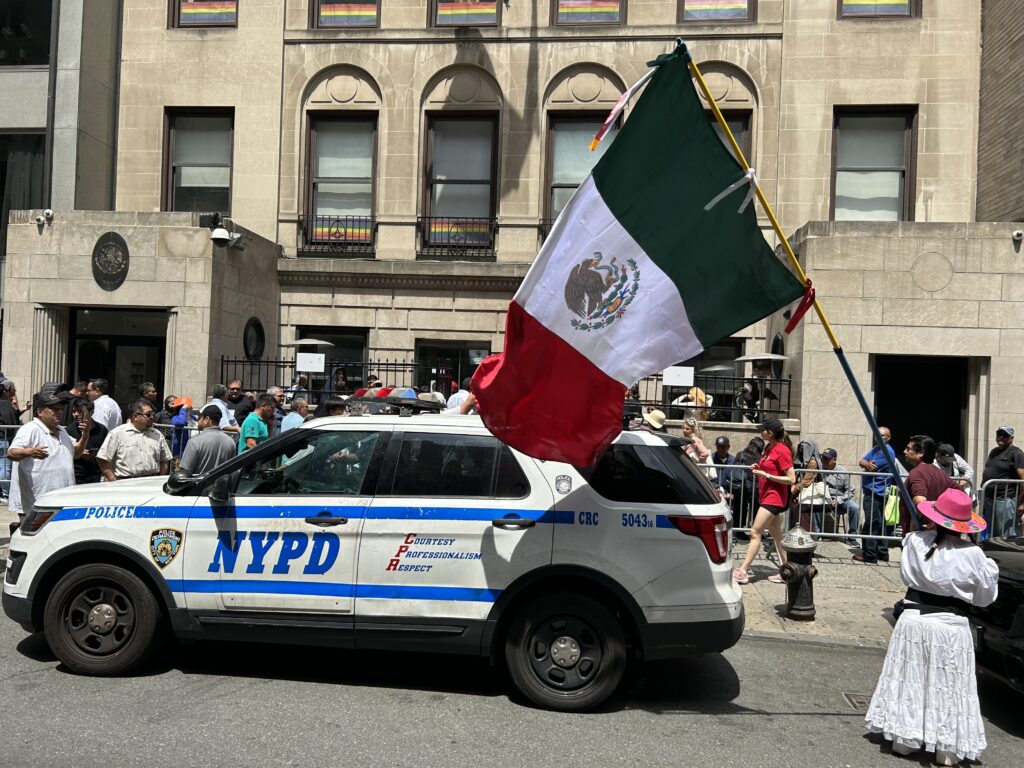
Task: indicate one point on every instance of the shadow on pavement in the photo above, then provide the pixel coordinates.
(1001, 705)
(34, 647)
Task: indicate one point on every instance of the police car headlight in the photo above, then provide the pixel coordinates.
(36, 519)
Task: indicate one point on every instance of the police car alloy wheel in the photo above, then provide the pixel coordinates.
(101, 620)
(566, 652)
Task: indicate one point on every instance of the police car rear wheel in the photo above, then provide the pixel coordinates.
(101, 620)
(566, 652)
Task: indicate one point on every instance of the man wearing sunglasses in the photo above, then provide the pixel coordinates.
(136, 448)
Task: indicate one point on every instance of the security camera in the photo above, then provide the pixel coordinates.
(1018, 235)
(48, 214)
(223, 239)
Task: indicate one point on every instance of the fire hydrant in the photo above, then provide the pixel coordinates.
(799, 573)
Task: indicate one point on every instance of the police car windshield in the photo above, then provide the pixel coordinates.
(648, 474)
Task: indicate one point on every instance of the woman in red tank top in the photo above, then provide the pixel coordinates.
(775, 476)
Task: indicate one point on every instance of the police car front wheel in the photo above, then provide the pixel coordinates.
(101, 620)
(566, 652)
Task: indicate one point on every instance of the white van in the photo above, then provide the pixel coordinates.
(387, 532)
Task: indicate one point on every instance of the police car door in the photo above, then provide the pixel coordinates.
(288, 538)
(456, 518)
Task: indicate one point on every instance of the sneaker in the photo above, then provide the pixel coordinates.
(741, 576)
(945, 758)
(776, 578)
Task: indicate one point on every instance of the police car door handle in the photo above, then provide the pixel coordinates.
(513, 522)
(325, 520)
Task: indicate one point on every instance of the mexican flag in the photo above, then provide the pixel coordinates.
(635, 276)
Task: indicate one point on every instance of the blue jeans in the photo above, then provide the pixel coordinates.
(1001, 515)
(852, 510)
(5, 469)
(874, 517)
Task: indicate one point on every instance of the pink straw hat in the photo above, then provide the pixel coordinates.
(953, 510)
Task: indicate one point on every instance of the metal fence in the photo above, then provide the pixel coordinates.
(998, 500)
(719, 398)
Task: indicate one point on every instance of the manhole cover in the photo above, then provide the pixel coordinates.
(858, 701)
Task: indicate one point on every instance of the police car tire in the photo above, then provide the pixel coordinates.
(132, 650)
(539, 620)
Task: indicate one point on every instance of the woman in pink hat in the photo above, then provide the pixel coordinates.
(927, 694)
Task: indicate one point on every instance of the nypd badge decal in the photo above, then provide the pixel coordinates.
(164, 544)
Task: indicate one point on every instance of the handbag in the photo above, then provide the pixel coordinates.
(815, 494)
(892, 506)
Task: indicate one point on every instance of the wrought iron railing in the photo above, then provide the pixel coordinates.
(458, 238)
(719, 398)
(338, 236)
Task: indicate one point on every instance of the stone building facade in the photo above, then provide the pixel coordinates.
(408, 158)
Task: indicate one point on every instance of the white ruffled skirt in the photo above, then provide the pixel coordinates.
(927, 694)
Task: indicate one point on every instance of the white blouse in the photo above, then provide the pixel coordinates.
(957, 569)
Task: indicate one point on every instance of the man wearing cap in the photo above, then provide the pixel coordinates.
(840, 492)
(44, 455)
(880, 459)
(721, 457)
(210, 448)
(1000, 505)
(954, 465)
(136, 448)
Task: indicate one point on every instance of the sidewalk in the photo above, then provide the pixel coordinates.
(853, 601)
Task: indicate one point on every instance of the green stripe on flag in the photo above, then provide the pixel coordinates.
(664, 166)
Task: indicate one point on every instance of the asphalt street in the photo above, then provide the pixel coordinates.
(766, 702)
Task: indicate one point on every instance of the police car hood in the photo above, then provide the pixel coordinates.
(136, 491)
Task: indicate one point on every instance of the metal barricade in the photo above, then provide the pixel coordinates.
(997, 503)
(835, 513)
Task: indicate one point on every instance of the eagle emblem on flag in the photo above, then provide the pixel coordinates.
(598, 292)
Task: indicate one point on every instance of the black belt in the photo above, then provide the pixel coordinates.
(926, 602)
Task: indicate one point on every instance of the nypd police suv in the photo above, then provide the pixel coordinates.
(389, 532)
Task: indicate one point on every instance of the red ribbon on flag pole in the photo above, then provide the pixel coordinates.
(801, 309)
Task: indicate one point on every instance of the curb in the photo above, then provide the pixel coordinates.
(826, 640)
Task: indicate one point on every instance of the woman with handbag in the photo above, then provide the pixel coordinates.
(927, 694)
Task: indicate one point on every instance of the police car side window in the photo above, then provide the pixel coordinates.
(445, 465)
(642, 474)
(333, 463)
(510, 482)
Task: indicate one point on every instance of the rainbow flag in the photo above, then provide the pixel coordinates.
(204, 12)
(715, 10)
(875, 8)
(589, 11)
(344, 230)
(347, 14)
(455, 231)
(452, 13)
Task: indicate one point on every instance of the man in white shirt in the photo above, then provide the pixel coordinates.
(106, 411)
(44, 455)
(459, 397)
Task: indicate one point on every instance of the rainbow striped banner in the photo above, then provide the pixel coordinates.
(451, 13)
(875, 8)
(207, 12)
(715, 10)
(589, 11)
(456, 231)
(326, 229)
(347, 14)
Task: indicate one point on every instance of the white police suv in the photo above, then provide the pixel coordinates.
(387, 532)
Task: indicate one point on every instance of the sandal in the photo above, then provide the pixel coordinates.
(776, 578)
(741, 576)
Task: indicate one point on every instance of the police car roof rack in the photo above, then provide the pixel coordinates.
(407, 406)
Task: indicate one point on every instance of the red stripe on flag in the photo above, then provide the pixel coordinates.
(544, 398)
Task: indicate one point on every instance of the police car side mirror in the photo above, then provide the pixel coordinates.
(179, 482)
(220, 491)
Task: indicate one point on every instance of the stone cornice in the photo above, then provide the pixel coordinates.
(427, 275)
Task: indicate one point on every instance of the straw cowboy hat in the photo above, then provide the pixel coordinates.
(953, 510)
(655, 418)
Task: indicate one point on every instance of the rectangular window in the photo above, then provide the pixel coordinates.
(440, 465)
(345, 13)
(25, 32)
(872, 179)
(341, 176)
(22, 163)
(204, 13)
(444, 364)
(710, 11)
(739, 124)
(199, 151)
(589, 11)
(466, 13)
(460, 181)
(570, 159)
(876, 8)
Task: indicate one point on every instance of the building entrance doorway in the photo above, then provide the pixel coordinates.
(918, 395)
(125, 347)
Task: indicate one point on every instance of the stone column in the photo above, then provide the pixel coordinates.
(50, 346)
(170, 351)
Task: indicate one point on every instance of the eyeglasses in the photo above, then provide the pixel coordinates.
(146, 415)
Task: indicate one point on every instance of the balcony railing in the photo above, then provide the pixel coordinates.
(458, 239)
(338, 236)
(720, 398)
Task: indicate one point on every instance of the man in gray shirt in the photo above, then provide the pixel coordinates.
(210, 448)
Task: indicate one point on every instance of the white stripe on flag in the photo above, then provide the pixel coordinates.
(652, 332)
